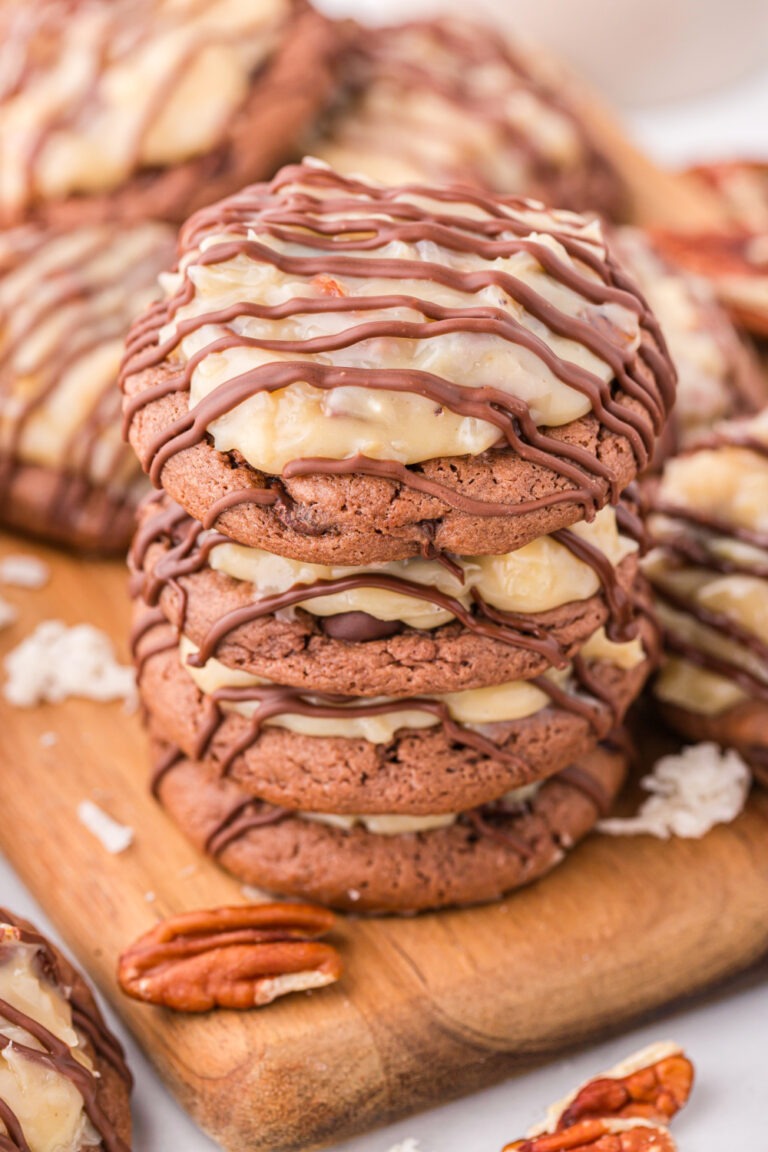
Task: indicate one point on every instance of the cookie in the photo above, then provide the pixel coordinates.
(501, 377)
(709, 572)
(411, 755)
(448, 100)
(64, 1082)
(66, 302)
(403, 628)
(469, 858)
(718, 374)
(136, 109)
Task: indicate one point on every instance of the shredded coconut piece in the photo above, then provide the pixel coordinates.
(24, 571)
(48, 739)
(8, 614)
(409, 1145)
(692, 792)
(115, 837)
(56, 662)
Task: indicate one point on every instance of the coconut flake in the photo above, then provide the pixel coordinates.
(56, 662)
(409, 1145)
(691, 792)
(24, 571)
(115, 837)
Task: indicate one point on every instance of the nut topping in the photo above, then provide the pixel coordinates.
(242, 956)
(601, 1136)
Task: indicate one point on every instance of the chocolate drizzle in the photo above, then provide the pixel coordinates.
(187, 550)
(343, 222)
(55, 1054)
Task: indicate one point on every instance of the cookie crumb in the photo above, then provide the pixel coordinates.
(8, 614)
(115, 837)
(56, 662)
(24, 571)
(691, 792)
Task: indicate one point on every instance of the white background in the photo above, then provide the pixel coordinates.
(727, 1035)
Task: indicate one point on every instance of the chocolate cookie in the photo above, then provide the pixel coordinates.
(412, 755)
(135, 109)
(450, 100)
(478, 856)
(64, 1082)
(718, 374)
(709, 572)
(66, 302)
(480, 621)
(501, 377)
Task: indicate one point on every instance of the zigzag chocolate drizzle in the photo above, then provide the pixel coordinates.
(189, 550)
(56, 1054)
(293, 209)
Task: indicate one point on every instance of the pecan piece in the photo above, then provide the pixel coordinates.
(242, 956)
(601, 1136)
(652, 1085)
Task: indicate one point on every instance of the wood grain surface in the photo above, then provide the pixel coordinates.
(430, 1007)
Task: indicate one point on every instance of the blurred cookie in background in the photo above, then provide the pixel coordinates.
(138, 109)
(66, 302)
(451, 100)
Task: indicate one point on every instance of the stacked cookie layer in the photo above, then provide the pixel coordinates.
(383, 607)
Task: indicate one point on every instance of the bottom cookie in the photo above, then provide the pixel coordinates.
(67, 509)
(472, 858)
(64, 1083)
(743, 728)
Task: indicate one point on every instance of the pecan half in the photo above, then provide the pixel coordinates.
(242, 956)
(601, 1136)
(654, 1085)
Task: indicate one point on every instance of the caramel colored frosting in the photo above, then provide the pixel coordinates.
(709, 570)
(542, 575)
(66, 301)
(93, 91)
(378, 719)
(321, 319)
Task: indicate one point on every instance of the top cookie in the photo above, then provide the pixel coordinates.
(451, 100)
(151, 108)
(346, 372)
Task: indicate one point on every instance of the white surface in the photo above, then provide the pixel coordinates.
(727, 1036)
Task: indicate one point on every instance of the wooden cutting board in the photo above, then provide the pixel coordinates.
(429, 1007)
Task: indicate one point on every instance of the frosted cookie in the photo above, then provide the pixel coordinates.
(64, 1083)
(66, 302)
(401, 627)
(452, 100)
(436, 752)
(709, 572)
(345, 373)
(718, 373)
(130, 109)
(389, 863)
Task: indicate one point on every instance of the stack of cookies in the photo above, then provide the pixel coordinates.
(388, 611)
(709, 570)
